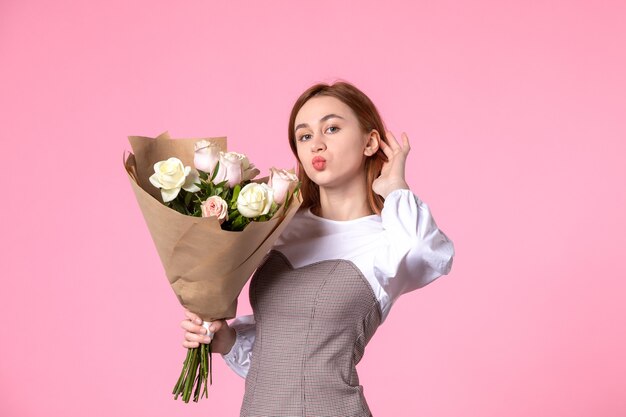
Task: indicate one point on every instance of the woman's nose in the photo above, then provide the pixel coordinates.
(317, 144)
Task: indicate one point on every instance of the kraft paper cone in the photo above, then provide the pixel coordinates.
(206, 266)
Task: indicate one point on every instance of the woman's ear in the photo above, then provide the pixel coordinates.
(373, 143)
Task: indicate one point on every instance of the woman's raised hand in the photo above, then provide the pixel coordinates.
(223, 338)
(392, 174)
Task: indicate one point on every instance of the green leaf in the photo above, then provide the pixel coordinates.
(217, 166)
(226, 194)
(291, 195)
(233, 200)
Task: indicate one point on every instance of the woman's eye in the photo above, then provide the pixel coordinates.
(308, 136)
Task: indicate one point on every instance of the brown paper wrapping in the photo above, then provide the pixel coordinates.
(206, 266)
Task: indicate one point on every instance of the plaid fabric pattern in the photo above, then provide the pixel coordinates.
(312, 326)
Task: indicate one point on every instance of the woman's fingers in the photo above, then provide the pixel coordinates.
(386, 149)
(393, 148)
(194, 339)
(393, 142)
(193, 317)
(216, 325)
(191, 327)
(190, 344)
(406, 147)
(196, 334)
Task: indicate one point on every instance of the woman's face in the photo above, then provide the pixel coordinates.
(330, 143)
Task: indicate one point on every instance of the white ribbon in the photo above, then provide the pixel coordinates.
(206, 325)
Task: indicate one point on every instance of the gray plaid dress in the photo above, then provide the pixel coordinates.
(318, 298)
(312, 325)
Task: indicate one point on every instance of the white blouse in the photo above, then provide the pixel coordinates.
(399, 251)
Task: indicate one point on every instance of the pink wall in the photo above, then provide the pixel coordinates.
(515, 111)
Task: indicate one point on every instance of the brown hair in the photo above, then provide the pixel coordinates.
(368, 118)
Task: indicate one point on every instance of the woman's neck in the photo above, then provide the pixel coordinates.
(347, 202)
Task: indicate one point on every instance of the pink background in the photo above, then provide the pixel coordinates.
(515, 112)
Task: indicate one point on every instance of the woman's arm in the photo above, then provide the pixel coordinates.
(416, 250)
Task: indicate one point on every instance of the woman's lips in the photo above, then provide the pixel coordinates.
(319, 163)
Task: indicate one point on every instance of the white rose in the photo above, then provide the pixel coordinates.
(282, 182)
(255, 199)
(206, 156)
(215, 206)
(171, 175)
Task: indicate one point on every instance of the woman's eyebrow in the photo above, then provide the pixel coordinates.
(328, 116)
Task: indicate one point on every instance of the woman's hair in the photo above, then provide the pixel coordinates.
(368, 118)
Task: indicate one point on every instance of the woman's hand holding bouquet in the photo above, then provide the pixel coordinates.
(207, 265)
(220, 335)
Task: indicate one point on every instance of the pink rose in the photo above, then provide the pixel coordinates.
(215, 206)
(282, 182)
(206, 156)
(230, 169)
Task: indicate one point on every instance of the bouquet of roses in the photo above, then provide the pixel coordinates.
(192, 213)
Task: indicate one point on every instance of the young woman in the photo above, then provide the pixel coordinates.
(360, 240)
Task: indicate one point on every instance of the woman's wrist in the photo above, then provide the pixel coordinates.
(389, 188)
(230, 339)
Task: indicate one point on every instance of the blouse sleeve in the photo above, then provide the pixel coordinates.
(238, 359)
(416, 251)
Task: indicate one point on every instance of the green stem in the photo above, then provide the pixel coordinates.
(198, 385)
(191, 376)
(197, 371)
(204, 364)
(201, 373)
(210, 364)
(181, 378)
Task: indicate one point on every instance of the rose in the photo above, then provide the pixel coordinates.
(282, 182)
(230, 169)
(215, 206)
(235, 168)
(171, 175)
(249, 171)
(206, 156)
(255, 199)
(233, 164)
(230, 164)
